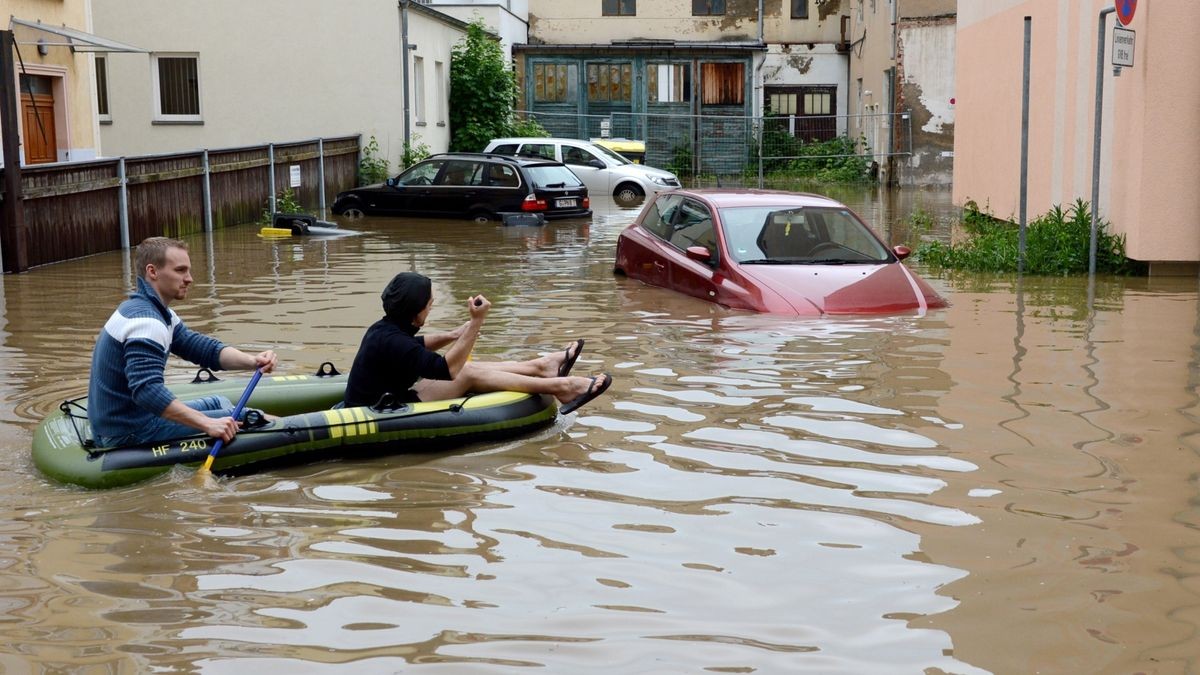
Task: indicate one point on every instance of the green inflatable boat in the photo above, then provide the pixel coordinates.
(309, 428)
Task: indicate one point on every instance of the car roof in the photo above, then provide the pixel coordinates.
(539, 139)
(511, 159)
(733, 197)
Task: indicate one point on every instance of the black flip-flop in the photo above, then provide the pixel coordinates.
(592, 392)
(569, 361)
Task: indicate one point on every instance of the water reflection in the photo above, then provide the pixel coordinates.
(999, 486)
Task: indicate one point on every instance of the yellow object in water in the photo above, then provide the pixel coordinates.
(275, 232)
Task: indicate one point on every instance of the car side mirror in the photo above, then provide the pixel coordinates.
(391, 182)
(699, 254)
(596, 164)
(902, 252)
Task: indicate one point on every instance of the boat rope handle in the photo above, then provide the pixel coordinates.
(65, 407)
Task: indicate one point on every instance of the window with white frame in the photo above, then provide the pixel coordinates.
(176, 87)
(102, 89)
(419, 89)
(439, 72)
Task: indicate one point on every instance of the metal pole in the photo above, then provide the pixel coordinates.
(1096, 139)
(13, 233)
(1024, 149)
(208, 224)
(271, 184)
(321, 172)
(404, 68)
(762, 130)
(123, 202)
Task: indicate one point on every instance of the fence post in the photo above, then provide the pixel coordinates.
(762, 130)
(123, 202)
(13, 231)
(321, 172)
(271, 178)
(208, 224)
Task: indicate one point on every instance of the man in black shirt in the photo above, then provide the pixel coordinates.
(394, 359)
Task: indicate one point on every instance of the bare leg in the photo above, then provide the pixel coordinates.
(544, 366)
(480, 378)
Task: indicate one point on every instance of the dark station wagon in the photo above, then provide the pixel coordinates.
(481, 187)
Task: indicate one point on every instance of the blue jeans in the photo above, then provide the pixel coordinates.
(163, 429)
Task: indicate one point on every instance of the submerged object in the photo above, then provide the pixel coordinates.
(300, 224)
(309, 428)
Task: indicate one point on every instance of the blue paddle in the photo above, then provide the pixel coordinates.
(237, 412)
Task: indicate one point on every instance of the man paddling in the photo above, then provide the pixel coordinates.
(128, 402)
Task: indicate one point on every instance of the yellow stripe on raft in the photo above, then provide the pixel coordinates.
(275, 232)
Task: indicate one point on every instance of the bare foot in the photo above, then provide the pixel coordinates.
(592, 388)
(565, 360)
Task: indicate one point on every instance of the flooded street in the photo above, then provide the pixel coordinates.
(1008, 485)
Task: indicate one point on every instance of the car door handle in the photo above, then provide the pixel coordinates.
(659, 266)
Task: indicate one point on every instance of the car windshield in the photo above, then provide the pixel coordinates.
(609, 153)
(788, 235)
(552, 175)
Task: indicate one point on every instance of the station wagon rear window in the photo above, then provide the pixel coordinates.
(552, 176)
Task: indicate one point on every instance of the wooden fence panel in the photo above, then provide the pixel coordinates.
(70, 210)
(73, 209)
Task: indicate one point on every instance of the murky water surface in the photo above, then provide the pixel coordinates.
(1008, 485)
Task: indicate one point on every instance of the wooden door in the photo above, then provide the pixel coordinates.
(40, 141)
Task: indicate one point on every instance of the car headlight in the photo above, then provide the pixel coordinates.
(659, 180)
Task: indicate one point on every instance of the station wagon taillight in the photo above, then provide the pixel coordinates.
(532, 203)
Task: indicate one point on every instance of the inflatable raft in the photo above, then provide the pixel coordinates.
(309, 428)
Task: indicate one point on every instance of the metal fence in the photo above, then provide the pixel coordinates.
(745, 150)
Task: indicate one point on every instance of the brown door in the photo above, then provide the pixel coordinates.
(37, 121)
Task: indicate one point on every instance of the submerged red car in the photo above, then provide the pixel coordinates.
(767, 251)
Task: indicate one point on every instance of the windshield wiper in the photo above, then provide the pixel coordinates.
(550, 185)
(771, 261)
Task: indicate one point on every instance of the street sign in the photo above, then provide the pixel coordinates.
(1125, 10)
(1122, 48)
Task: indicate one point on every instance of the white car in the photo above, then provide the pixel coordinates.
(603, 171)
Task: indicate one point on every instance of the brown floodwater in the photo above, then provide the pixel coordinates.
(1009, 485)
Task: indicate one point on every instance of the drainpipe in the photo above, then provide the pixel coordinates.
(404, 67)
(760, 21)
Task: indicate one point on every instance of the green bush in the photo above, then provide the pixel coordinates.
(285, 202)
(414, 152)
(483, 89)
(1056, 244)
(838, 160)
(372, 168)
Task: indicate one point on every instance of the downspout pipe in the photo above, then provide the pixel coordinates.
(404, 47)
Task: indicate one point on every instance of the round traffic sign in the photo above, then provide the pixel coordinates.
(1125, 10)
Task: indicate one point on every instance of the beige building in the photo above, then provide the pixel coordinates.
(56, 113)
(1148, 169)
(902, 86)
(226, 73)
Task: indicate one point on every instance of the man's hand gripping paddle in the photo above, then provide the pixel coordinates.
(237, 412)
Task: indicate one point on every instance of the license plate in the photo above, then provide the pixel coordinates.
(565, 203)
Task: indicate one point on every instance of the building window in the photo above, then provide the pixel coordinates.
(439, 73)
(610, 82)
(619, 8)
(669, 82)
(708, 7)
(419, 89)
(177, 87)
(723, 83)
(808, 113)
(554, 82)
(799, 9)
(102, 89)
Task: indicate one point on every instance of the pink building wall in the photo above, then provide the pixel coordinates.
(1150, 152)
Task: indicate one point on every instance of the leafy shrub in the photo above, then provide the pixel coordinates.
(1056, 244)
(837, 160)
(414, 152)
(372, 168)
(285, 202)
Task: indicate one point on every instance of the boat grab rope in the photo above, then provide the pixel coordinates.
(66, 408)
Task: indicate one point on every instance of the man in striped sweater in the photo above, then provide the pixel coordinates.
(128, 403)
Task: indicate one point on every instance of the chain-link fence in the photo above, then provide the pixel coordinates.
(773, 151)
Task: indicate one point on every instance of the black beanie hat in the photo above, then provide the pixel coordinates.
(406, 295)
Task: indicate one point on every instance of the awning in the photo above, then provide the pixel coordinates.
(77, 40)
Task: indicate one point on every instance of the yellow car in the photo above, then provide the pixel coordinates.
(634, 151)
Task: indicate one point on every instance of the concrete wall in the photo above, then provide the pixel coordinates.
(1148, 167)
(74, 79)
(581, 22)
(508, 19)
(272, 70)
(925, 75)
